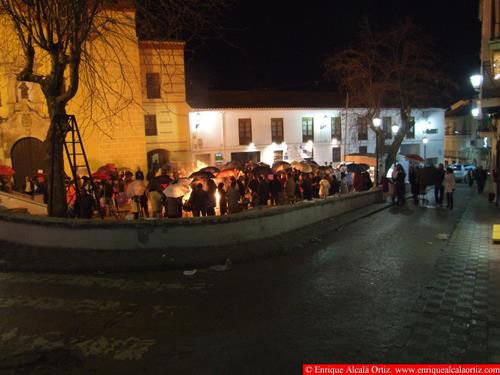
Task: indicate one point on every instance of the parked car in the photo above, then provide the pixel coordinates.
(460, 171)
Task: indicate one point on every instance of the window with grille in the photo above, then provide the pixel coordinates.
(245, 131)
(277, 130)
(153, 85)
(307, 129)
(387, 127)
(336, 128)
(335, 154)
(362, 128)
(150, 125)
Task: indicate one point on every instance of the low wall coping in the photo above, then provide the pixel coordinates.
(254, 213)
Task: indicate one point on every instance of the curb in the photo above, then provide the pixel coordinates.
(21, 258)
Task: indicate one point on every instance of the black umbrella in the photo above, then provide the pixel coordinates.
(262, 170)
(357, 167)
(202, 174)
(281, 165)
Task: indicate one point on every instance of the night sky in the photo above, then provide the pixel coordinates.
(280, 45)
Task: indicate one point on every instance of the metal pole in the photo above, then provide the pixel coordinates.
(376, 159)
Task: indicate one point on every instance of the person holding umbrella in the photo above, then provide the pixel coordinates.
(174, 194)
(199, 201)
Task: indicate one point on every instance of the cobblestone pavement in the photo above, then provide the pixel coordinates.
(458, 312)
(386, 288)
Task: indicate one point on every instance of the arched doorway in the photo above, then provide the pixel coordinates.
(28, 156)
(157, 157)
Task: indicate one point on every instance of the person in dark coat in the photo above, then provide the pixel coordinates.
(262, 191)
(276, 190)
(198, 201)
(139, 175)
(84, 205)
(307, 189)
(400, 184)
(173, 207)
(438, 185)
(212, 200)
(414, 184)
(480, 179)
(222, 199)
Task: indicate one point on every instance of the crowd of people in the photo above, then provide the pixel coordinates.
(243, 190)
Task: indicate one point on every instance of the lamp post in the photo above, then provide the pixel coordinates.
(424, 141)
(376, 123)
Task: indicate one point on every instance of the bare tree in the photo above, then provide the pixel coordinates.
(393, 68)
(58, 39)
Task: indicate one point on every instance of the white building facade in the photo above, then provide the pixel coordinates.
(324, 135)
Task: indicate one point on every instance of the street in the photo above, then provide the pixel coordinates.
(354, 295)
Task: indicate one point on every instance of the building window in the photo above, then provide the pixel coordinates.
(362, 128)
(363, 150)
(24, 90)
(150, 125)
(277, 155)
(153, 85)
(335, 154)
(411, 132)
(387, 127)
(336, 128)
(245, 131)
(277, 130)
(307, 129)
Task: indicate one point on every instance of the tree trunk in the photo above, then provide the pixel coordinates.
(55, 177)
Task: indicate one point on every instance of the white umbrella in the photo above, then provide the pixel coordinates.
(136, 187)
(176, 190)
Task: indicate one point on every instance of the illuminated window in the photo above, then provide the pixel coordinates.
(307, 129)
(277, 130)
(245, 131)
(336, 128)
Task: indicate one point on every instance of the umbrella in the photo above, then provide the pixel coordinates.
(210, 169)
(125, 169)
(5, 170)
(136, 187)
(262, 170)
(415, 157)
(357, 167)
(228, 173)
(233, 165)
(326, 169)
(201, 174)
(303, 167)
(176, 190)
(281, 166)
(106, 170)
(101, 176)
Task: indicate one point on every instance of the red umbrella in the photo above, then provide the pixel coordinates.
(5, 170)
(99, 175)
(415, 157)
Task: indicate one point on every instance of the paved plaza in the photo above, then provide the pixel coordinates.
(388, 287)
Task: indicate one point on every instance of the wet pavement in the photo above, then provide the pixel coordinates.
(387, 288)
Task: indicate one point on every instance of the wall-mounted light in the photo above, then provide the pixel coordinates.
(377, 121)
(475, 112)
(251, 145)
(395, 129)
(425, 140)
(335, 141)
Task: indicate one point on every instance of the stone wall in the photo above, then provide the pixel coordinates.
(181, 233)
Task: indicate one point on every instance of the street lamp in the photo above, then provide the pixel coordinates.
(476, 81)
(376, 123)
(424, 141)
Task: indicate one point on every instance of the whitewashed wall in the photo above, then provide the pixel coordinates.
(216, 131)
